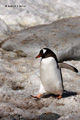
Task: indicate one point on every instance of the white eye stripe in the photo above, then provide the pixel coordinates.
(44, 50)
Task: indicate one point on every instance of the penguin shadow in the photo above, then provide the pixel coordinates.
(68, 94)
(65, 94)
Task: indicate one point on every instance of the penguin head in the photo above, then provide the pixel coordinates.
(46, 52)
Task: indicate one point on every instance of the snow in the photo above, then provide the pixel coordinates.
(36, 12)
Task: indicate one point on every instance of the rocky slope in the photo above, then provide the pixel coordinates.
(62, 36)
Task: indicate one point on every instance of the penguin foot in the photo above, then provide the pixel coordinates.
(59, 97)
(38, 96)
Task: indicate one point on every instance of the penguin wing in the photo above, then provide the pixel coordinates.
(67, 66)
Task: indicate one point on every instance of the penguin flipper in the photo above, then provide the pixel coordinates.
(67, 66)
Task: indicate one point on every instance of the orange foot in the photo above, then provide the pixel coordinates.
(59, 97)
(38, 96)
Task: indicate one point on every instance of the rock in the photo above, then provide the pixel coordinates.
(11, 54)
(9, 48)
(15, 117)
(20, 53)
(62, 36)
(48, 116)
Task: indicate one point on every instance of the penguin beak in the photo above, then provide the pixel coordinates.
(38, 56)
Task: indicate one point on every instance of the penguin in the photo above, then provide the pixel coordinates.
(50, 73)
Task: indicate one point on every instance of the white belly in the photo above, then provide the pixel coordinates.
(51, 76)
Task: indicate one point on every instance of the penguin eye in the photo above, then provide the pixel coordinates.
(44, 51)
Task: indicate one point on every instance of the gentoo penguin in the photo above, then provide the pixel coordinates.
(50, 73)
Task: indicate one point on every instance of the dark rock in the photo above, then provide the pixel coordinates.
(14, 117)
(48, 116)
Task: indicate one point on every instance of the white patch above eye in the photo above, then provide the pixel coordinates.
(44, 50)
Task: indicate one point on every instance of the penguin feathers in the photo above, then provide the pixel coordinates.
(67, 66)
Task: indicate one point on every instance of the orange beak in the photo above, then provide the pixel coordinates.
(38, 56)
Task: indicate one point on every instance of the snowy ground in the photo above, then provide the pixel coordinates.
(20, 78)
